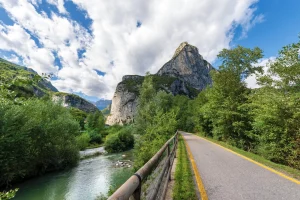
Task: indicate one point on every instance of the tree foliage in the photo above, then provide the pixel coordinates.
(264, 120)
(155, 121)
(36, 137)
(120, 141)
(95, 126)
(276, 109)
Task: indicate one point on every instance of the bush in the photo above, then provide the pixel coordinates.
(113, 143)
(79, 115)
(112, 129)
(8, 195)
(83, 141)
(36, 137)
(121, 141)
(95, 121)
(95, 137)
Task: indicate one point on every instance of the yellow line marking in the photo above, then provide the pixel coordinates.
(197, 175)
(255, 162)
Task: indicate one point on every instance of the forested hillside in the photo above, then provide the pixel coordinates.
(21, 82)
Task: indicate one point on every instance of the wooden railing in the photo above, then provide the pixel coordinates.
(162, 160)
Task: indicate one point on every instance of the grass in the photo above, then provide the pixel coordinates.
(295, 173)
(184, 187)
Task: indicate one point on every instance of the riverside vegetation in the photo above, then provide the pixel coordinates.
(38, 135)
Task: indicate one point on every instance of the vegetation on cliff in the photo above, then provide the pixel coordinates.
(159, 83)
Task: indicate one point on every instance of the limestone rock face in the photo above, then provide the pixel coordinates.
(188, 65)
(187, 73)
(71, 100)
(124, 102)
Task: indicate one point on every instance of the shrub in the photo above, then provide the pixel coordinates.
(95, 121)
(9, 194)
(83, 141)
(79, 115)
(95, 137)
(112, 129)
(36, 137)
(113, 143)
(121, 141)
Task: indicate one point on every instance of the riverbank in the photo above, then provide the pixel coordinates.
(88, 153)
(89, 179)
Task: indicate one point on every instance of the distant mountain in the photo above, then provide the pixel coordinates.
(14, 76)
(10, 73)
(187, 73)
(102, 104)
(74, 101)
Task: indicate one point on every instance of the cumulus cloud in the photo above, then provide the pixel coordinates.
(251, 81)
(115, 44)
(13, 58)
(59, 4)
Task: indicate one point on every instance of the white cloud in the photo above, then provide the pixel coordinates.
(59, 4)
(115, 37)
(13, 58)
(251, 81)
(15, 38)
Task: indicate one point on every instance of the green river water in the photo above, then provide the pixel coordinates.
(92, 177)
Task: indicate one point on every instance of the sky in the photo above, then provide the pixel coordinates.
(89, 45)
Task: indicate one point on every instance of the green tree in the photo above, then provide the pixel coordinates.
(35, 137)
(83, 141)
(95, 121)
(79, 115)
(201, 115)
(120, 141)
(95, 124)
(227, 98)
(155, 121)
(276, 109)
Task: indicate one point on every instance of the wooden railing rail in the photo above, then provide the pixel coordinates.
(132, 188)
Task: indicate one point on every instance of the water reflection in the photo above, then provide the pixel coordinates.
(88, 180)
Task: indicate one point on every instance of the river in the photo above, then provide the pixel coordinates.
(90, 178)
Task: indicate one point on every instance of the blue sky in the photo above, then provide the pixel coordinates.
(281, 26)
(89, 46)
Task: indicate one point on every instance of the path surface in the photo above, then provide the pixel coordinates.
(231, 177)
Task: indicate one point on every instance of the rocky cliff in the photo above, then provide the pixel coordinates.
(124, 102)
(188, 65)
(187, 73)
(71, 100)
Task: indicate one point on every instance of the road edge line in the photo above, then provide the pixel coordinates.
(200, 184)
(255, 162)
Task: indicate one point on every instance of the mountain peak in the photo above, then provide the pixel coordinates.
(188, 65)
(181, 47)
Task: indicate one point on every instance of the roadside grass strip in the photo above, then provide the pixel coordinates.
(184, 184)
(281, 170)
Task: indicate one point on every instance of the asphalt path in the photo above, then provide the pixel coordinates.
(227, 176)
